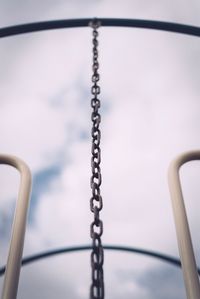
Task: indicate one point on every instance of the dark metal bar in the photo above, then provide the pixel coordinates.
(108, 22)
(33, 258)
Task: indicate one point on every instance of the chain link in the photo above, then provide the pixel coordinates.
(96, 204)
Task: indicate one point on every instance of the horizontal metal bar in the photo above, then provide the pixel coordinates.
(33, 258)
(105, 22)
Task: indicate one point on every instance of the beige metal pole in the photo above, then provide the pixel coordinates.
(13, 265)
(186, 251)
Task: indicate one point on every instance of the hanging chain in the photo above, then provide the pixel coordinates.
(96, 229)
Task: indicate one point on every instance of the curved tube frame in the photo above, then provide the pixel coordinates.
(46, 254)
(110, 22)
(182, 228)
(10, 284)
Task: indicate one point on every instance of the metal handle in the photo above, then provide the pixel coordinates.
(10, 284)
(186, 251)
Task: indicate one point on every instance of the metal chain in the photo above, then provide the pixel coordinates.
(96, 204)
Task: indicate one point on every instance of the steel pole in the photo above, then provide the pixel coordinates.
(10, 284)
(186, 251)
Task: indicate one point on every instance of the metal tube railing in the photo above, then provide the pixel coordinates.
(108, 22)
(189, 267)
(53, 252)
(186, 251)
(10, 284)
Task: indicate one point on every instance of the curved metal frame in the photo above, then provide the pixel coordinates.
(108, 22)
(34, 258)
(10, 284)
(182, 228)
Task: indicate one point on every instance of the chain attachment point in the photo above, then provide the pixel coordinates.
(95, 23)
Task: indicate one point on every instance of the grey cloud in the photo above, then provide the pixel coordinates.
(40, 282)
(6, 218)
(163, 283)
(42, 181)
(14, 12)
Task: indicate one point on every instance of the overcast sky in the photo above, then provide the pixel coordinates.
(150, 113)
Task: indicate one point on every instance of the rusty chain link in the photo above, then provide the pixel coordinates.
(96, 204)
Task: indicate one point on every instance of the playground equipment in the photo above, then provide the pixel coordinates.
(12, 270)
